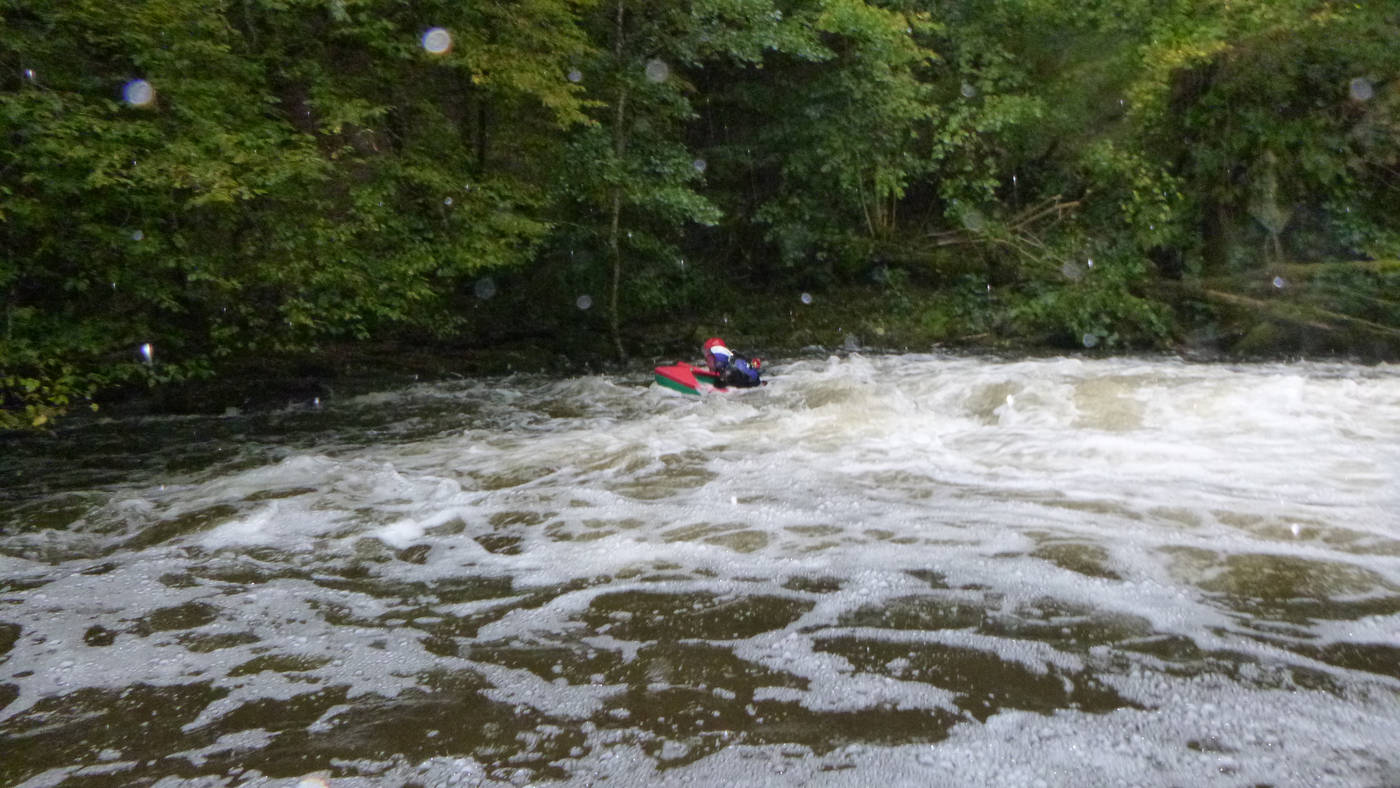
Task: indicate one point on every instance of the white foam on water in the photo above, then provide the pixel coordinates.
(1186, 516)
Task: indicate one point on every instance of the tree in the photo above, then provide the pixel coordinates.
(220, 179)
(814, 150)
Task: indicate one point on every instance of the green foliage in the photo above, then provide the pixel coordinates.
(815, 144)
(1281, 139)
(228, 179)
(1100, 310)
(279, 174)
(35, 398)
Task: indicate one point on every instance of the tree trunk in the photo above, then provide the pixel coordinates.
(482, 123)
(615, 251)
(615, 206)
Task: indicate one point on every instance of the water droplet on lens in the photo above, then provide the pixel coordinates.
(138, 93)
(1360, 89)
(699, 165)
(437, 40)
(485, 288)
(806, 298)
(584, 301)
(968, 90)
(1091, 339)
(1280, 282)
(575, 76)
(657, 70)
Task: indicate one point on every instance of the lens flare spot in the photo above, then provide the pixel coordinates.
(485, 288)
(806, 298)
(657, 70)
(1091, 339)
(968, 90)
(575, 76)
(137, 235)
(1361, 89)
(148, 353)
(447, 201)
(699, 165)
(138, 93)
(1280, 282)
(437, 41)
(584, 302)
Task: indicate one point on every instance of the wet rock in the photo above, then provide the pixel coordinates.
(98, 636)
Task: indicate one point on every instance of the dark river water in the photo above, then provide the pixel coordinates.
(898, 570)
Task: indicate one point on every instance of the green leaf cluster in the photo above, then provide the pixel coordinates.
(222, 180)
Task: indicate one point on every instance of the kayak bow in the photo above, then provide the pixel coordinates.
(685, 378)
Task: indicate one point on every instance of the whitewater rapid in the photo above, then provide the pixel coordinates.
(910, 569)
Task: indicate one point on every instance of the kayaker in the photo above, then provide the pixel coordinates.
(731, 368)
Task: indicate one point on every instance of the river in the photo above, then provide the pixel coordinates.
(897, 569)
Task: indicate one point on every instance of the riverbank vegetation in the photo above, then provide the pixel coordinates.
(188, 187)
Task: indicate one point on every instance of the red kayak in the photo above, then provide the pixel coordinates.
(695, 379)
(687, 378)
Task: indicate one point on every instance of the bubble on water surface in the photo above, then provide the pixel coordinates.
(138, 93)
(1361, 89)
(575, 76)
(806, 298)
(437, 40)
(657, 70)
(584, 302)
(485, 288)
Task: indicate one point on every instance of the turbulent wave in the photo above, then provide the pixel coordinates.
(914, 569)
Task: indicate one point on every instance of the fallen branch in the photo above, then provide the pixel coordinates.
(1021, 233)
(1300, 314)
